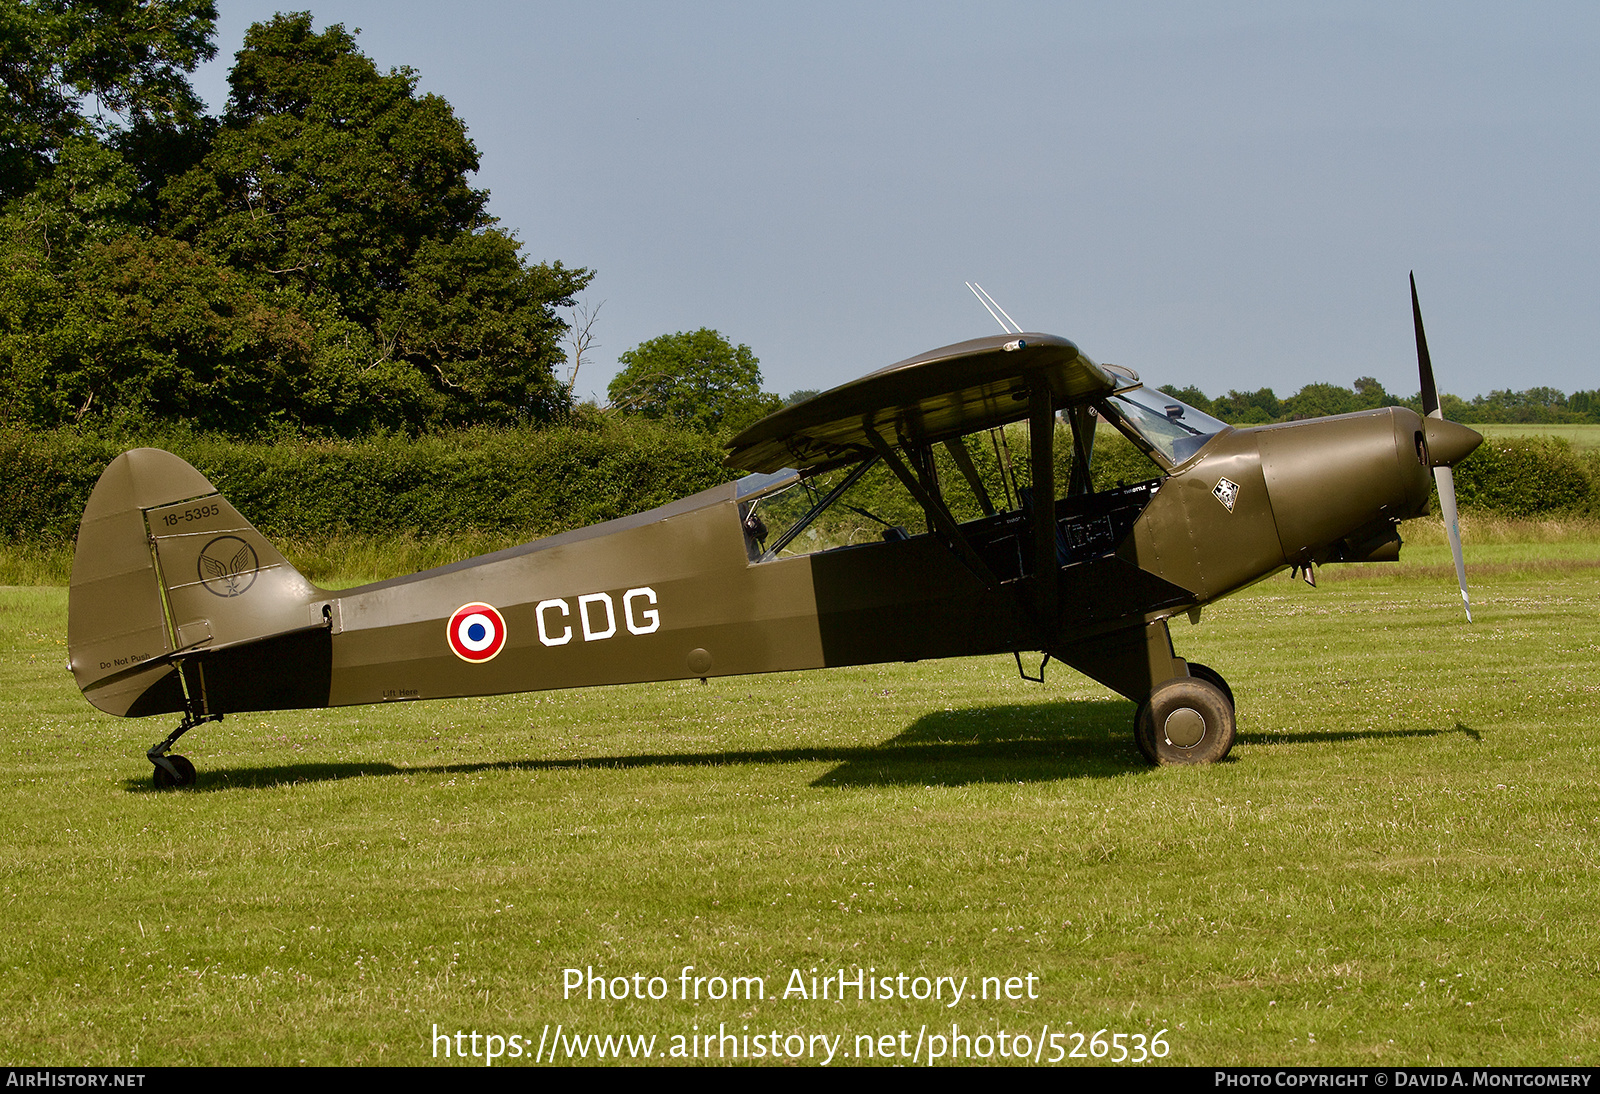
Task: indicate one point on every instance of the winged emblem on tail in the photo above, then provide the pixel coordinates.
(228, 566)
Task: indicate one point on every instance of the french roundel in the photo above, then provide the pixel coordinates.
(477, 632)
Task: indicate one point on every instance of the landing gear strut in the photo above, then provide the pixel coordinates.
(1188, 720)
(176, 772)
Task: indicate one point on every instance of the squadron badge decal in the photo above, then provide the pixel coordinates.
(1227, 492)
(228, 566)
(477, 632)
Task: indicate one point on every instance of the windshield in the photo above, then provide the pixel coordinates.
(1173, 428)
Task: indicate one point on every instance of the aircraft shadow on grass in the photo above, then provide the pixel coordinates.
(1317, 737)
(1039, 742)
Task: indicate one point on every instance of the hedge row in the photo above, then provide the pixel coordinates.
(530, 482)
(536, 482)
(1529, 476)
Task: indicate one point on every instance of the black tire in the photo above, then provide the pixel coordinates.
(1140, 738)
(164, 779)
(1186, 721)
(1212, 676)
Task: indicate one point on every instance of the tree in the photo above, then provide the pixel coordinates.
(337, 186)
(580, 336)
(60, 59)
(473, 317)
(697, 378)
(148, 328)
(1319, 401)
(327, 175)
(316, 258)
(1371, 391)
(1248, 407)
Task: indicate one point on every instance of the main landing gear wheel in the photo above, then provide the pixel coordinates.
(1212, 676)
(1185, 721)
(164, 779)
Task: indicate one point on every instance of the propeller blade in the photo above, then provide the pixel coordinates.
(1447, 508)
(1453, 443)
(1430, 393)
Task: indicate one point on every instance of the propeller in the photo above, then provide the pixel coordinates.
(1447, 443)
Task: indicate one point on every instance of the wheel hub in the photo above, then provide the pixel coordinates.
(1184, 727)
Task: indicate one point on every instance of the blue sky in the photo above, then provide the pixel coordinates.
(1228, 195)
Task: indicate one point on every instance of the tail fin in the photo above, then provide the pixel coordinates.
(178, 604)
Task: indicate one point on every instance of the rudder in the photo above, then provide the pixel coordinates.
(178, 604)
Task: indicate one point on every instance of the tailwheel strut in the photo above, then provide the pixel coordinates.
(176, 772)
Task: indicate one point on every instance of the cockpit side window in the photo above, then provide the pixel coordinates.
(982, 482)
(845, 507)
(790, 513)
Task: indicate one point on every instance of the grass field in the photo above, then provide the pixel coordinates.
(1399, 863)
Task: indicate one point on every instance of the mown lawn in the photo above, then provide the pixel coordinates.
(1397, 864)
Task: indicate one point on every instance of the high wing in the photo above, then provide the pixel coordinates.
(935, 396)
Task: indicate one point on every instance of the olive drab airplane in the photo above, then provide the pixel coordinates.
(179, 606)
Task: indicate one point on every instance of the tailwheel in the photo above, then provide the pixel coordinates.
(175, 772)
(1188, 720)
(167, 780)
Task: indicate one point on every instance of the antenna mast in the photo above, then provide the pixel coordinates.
(994, 309)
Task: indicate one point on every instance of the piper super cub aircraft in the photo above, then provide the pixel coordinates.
(179, 606)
